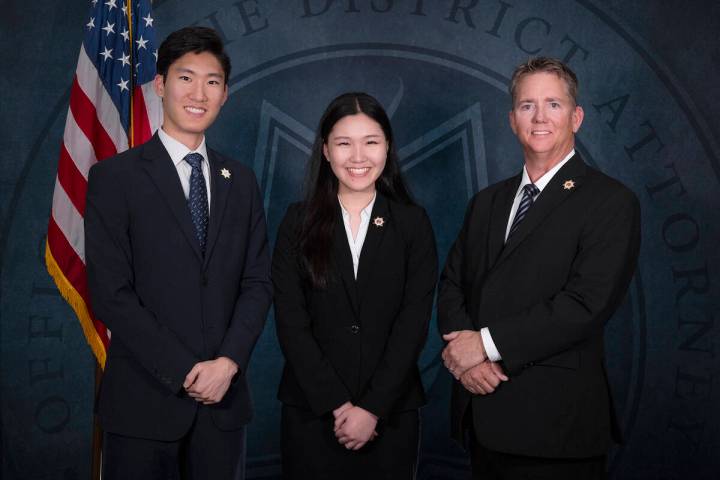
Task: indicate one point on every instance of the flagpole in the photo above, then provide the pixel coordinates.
(97, 439)
(97, 435)
(131, 130)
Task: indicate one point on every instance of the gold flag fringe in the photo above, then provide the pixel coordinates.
(77, 303)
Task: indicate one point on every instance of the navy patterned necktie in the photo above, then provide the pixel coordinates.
(198, 199)
(530, 191)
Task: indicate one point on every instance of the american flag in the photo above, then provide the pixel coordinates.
(112, 107)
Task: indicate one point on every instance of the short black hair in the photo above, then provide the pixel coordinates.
(191, 40)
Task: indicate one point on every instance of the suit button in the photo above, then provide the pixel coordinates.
(203, 280)
(355, 328)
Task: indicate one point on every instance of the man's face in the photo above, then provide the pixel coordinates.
(544, 117)
(193, 91)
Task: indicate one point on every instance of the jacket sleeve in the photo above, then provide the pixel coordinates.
(318, 379)
(253, 303)
(599, 276)
(409, 331)
(452, 304)
(109, 259)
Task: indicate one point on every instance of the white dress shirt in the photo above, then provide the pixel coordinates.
(177, 152)
(356, 243)
(490, 348)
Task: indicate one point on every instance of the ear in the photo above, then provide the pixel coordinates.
(325, 152)
(225, 96)
(511, 117)
(577, 118)
(159, 85)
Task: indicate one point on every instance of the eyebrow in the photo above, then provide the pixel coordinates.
(190, 70)
(372, 135)
(547, 100)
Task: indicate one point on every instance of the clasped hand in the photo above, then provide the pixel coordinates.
(464, 356)
(354, 426)
(483, 378)
(207, 382)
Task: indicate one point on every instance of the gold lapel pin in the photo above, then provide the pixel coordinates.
(568, 185)
(225, 173)
(379, 221)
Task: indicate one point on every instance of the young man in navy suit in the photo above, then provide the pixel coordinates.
(178, 269)
(542, 261)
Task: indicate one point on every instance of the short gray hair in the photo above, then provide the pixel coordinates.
(544, 65)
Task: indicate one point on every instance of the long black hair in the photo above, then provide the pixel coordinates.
(321, 189)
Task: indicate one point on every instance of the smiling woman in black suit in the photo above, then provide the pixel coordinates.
(354, 270)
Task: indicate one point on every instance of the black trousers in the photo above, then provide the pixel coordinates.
(205, 452)
(489, 464)
(311, 451)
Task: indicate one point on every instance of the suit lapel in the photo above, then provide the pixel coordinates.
(161, 169)
(372, 243)
(500, 212)
(552, 195)
(343, 260)
(220, 187)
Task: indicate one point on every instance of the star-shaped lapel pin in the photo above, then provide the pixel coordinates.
(225, 173)
(379, 221)
(569, 185)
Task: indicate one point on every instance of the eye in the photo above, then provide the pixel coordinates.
(554, 104)
(214, 82)
(342, 143)
(372, 142)
(184, 78)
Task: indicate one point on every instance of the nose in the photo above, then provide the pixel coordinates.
(539, 116)
(358, 153)
(197, 92)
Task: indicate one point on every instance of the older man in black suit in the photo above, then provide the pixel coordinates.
(178, 268)
(542, 261)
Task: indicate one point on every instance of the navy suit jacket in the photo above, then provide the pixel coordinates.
(545, 296)
(168, 306)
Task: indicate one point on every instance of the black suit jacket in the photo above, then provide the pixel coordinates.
(357, 340)
(545, 296)
(167, 306)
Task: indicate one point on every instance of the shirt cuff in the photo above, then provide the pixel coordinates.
(490, 348)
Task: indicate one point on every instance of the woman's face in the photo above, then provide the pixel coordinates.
(356, 149)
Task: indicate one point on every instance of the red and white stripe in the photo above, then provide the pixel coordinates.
(93, 132)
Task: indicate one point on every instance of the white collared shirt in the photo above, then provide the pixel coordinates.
(356, 244)
(541, 183)
(177, 152)
(490, 348)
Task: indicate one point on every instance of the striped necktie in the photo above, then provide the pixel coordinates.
(530, 191)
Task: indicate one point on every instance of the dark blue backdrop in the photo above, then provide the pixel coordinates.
(648, 74)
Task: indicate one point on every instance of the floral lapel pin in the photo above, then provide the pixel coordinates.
(225, 173)
(569, 185)
(379, 221)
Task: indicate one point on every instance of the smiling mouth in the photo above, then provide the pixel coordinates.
(195, 110)
(540, 132)
(358, 172)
